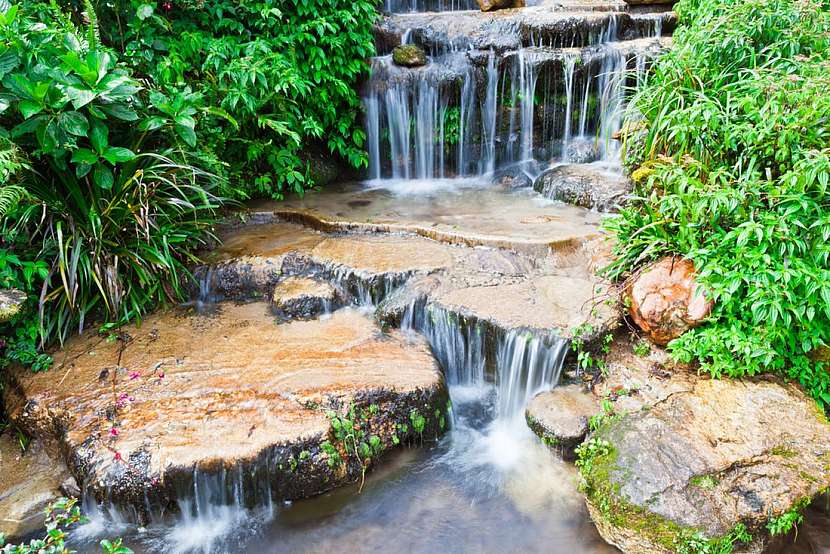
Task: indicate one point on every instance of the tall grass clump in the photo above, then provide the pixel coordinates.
(732, 148)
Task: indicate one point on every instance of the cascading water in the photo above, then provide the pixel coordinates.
(468, 115)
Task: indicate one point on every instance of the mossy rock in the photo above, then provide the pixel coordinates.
(703, 463)
(11, 302)
(409, 55)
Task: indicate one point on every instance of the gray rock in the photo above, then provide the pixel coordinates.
(29, 482)
(704, 460)
(581, 151)
(11, 301)
(560, 416)
(409, 55)
(584, 186)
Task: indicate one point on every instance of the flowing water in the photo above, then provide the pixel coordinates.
(489, 485)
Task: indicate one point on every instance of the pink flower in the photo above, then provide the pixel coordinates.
(118, 456)
(134, 375)
(113, 432)
(161, 375)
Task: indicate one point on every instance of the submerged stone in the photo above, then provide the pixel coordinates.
(141, 416)
(584, 186)
(409, 55)
(29, 482)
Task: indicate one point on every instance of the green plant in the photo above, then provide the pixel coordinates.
(734, 134)
(784, 523)
(266, 78)
(60, 515)
(642, 348)
(694, 542)
(115, 226)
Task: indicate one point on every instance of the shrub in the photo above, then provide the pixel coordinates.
(276, 76)
(111, 222)
(737, 146)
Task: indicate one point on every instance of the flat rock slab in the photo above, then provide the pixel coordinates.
(230, 390)
(255, 258)
(546, 303)
(29, 482)
(549, 295)
(303, 298)
(560, 416)
(475, 216)
(707, 458)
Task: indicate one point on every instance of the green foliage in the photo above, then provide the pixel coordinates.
(258, 81)
(784, 523)
(60, 515)
(110, 216)
(736, 142)
(694, 542)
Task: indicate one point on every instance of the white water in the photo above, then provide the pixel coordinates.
(526, 106)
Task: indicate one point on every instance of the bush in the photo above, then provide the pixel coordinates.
(110, 218)
(272, 77)
(736, 144)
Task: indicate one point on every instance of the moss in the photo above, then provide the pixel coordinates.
(605, 496)
(783, 452)
(706, 482)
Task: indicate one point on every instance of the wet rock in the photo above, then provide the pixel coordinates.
(581, 151)
(560, 416)
(544, 304)
(666, 301)
(11, 301)
(302, 297)
(232, 391)
(409, 55)
(490, 5)
(584, 186)
(706, 459)
(29, 482)
(514, 178)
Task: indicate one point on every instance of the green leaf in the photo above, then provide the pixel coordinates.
(120, 111)
(74, 123)
(84, 156)
(116, 154)
(152, 123)
(103, 176)
(79, 97)
(187, 134)
(28, 108)
(98, 137)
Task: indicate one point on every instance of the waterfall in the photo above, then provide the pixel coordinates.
(465, 116)
(570, 64)
(488, 117)
(521, 363)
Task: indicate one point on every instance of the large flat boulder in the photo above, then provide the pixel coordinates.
(140, 415)
(704, 459)
(29, 482)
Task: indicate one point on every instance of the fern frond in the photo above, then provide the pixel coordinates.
(10, 196)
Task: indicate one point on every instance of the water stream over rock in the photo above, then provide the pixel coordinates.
(445, 258)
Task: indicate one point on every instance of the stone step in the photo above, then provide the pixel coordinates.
(511, 29)
(227, 393)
